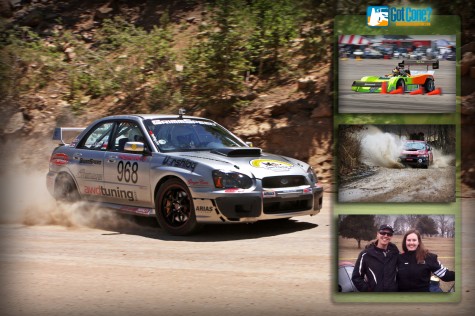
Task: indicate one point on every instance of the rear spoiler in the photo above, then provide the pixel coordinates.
(58, 133)
(430, 62)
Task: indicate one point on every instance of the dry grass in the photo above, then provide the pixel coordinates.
(443, 247)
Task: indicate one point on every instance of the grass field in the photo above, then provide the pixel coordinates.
(443, 247)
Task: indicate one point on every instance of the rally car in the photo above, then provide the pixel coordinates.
(409, 80)
(183, 170)
(417, 153)
(345, 271)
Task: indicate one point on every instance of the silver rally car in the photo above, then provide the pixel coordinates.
(184, 170)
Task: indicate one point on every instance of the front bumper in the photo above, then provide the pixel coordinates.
(368, 87)
(414, 161)
(257, 205)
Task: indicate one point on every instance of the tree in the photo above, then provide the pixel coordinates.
(451, 230)
(427, 226)
(400, 225)
(383, 219)
(359, 227)
(318, 34)
(216, 65)
(411, 221)
(275, 24)
(444, 222)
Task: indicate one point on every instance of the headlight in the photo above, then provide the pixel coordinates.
(230, 179)
(312, 175)
(424, 156)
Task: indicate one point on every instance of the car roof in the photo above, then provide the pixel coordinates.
(152, 117)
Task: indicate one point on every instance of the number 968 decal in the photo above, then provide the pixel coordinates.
(127, 171)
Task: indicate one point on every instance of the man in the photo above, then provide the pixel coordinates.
(375, 269)
(397, 71)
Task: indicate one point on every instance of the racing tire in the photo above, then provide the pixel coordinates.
(65, 188)
(174, 208)
(402, 84)
(429, 85)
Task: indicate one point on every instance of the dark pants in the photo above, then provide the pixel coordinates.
(435, 286)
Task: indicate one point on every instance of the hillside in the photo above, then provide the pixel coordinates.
(86, 59)
(276, 116)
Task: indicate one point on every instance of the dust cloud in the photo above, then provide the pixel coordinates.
(28, 202)
(383, 149)
(380, 149)
(441, 160)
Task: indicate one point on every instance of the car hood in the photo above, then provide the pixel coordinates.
(250, 161)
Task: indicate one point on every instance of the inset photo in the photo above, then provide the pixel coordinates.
(396, 163)
(397, 74)
(396, 253)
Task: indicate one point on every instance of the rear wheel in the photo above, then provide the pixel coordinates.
(429, 85)
(65, 188)
(174, 208)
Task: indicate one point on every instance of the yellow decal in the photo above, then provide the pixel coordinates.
(275, 165)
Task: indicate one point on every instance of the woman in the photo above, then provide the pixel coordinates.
(416, 264)
(375, 269)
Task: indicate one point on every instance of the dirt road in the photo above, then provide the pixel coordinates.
(402, 185)
(122, 268)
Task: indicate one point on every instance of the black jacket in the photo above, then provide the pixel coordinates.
(375, 269)
(414, 277)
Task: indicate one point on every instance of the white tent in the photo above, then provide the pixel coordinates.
(353, 40)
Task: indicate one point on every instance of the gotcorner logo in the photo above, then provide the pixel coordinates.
(382, 16)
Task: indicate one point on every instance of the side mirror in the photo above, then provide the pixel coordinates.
(249, 144)
(136, 147)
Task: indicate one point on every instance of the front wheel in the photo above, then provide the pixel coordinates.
(401, 84)
(174, 208)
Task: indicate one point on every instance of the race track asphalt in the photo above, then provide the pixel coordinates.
(350, 70)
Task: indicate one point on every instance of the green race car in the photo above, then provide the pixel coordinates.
(401, 77)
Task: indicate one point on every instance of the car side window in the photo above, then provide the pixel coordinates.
(127, 132)
(98, 138)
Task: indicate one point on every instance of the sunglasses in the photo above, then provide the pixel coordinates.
(386, 234)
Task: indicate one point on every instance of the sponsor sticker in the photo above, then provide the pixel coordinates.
(234, 190)
(74, 142)
(182, 121)
(111, 192)
(180, 163)
(198, 183)
(138, 210)
(270, 164)
(82, 174)
(269, 194)
(133, 157)
(203, 207)
(90, 161)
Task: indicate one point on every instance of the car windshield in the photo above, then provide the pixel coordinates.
(414, 146)
(171, 135)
